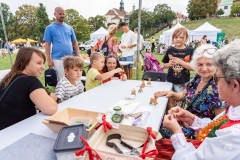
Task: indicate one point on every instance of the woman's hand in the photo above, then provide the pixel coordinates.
(171, 124)
(182, 115)
(167, 94)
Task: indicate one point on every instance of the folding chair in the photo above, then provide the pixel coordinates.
(155, 76)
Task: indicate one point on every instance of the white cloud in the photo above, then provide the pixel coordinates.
(88, 8)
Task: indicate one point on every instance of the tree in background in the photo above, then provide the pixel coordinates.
(96, 22)
(147, 20)
(79, 24)
(163, 14)
(220, 12)
(8, 19)
(198, 9)
(24, 23)
(42, 21)
(235, 9)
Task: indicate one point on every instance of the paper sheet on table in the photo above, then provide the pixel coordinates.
(142, 108)
(128, 107)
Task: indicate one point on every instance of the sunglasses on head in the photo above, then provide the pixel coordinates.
(210, 51)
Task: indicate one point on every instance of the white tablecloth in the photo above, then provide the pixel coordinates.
(99, 99)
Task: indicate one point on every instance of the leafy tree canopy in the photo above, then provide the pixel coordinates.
(79, 24)
(96, 22)
(8, 19)
(235, 9)
(220, 12)
(198, 9)
(42, 21)
(24, 23)
(163, 14)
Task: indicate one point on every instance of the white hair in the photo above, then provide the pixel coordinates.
(202, 51)
(228, 60)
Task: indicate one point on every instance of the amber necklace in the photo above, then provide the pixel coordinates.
(203, 133)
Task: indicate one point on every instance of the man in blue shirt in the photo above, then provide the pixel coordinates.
(62, 38)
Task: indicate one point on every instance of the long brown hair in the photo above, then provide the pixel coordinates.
(105, 69)
(22, 60)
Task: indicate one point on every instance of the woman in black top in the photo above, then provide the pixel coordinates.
(26, 93)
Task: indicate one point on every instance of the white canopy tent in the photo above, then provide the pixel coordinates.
(206, 29)
(168, 34)
(100, 33)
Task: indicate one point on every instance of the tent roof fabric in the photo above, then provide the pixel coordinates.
(173, 28)
(168, 34)
(100, 33)
(207, 27)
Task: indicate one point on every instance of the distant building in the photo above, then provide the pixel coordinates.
(115, 15)
(179, 18)
(225, 5)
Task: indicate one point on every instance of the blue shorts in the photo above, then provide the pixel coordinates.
(129, 58)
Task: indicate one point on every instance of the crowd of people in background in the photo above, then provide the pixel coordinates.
(212, 94)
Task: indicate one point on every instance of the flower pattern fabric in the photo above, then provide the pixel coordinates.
(203, 106)
(206, 102)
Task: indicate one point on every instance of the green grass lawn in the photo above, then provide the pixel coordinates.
(229, 25)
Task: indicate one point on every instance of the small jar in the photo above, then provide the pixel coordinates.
(118, 115)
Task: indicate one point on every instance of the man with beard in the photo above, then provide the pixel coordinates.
(62, 38)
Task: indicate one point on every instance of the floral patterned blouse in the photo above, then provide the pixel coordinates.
(204, 105)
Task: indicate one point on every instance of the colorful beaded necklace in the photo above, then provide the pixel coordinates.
(206, 130)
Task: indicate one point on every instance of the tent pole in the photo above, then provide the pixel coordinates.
(5, 33)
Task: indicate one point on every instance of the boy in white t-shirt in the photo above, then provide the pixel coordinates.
(70, 85)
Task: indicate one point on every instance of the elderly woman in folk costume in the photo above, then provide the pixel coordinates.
(219, 139)
(200, 97)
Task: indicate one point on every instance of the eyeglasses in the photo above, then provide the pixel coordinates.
(216, 79)
(210, 51)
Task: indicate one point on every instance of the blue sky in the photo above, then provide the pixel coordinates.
(89, 8)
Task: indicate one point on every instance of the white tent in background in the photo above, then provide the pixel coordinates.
(100, 33)
(206, 29)
(168, 34)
